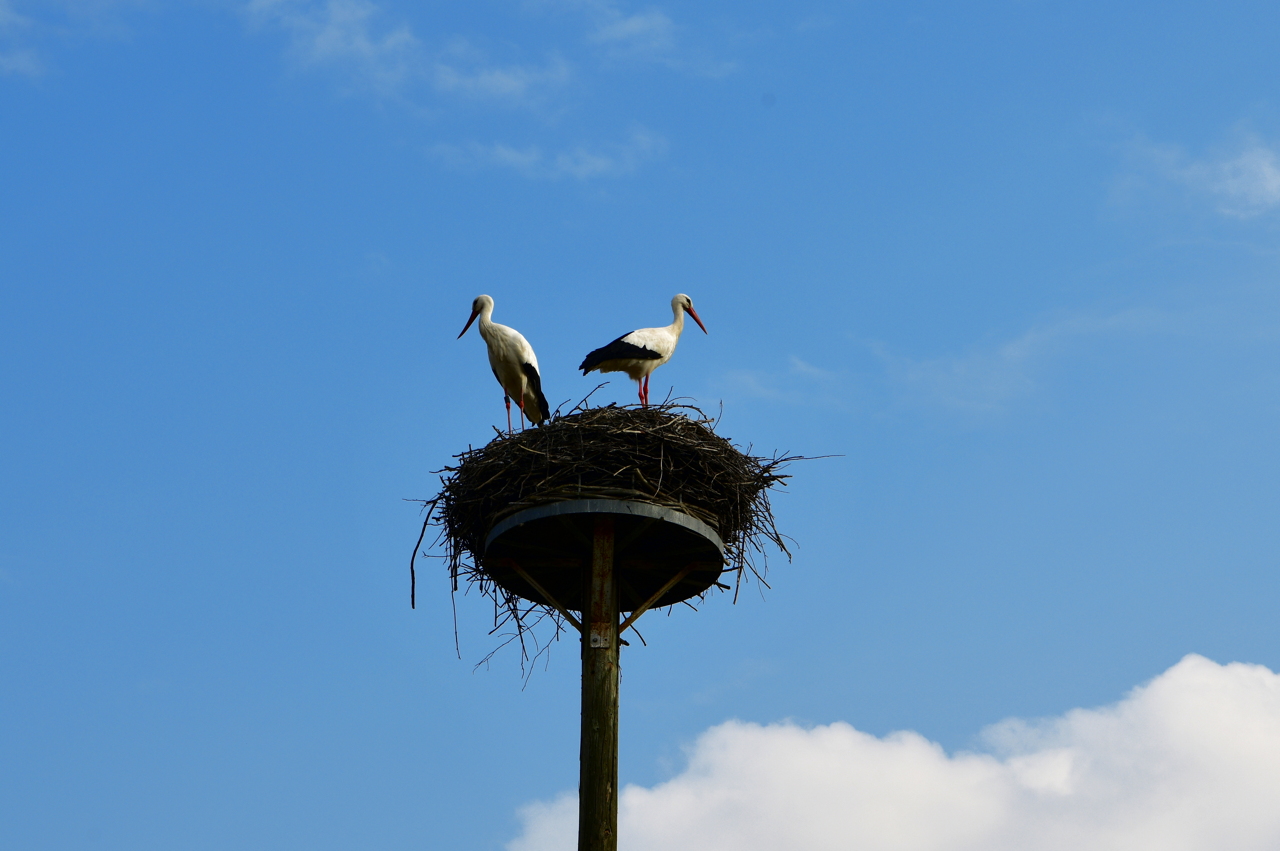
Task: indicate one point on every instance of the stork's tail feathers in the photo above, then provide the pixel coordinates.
(535, 384)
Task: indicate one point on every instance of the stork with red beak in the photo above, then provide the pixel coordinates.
(639, 353)
(513, 363)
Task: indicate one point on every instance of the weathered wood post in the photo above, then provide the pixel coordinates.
(598, 772)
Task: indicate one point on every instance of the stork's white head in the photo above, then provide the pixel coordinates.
(683, 302)
(481, 304)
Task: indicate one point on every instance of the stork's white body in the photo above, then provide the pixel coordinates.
(513, 363)
(508, 352)
(639, 353)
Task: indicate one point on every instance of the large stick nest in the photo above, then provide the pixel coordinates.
(668, 455)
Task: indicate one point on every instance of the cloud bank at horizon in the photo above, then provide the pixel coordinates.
(1187, 762)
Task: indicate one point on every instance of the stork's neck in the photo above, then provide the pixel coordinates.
(677, 326)
(485, 325)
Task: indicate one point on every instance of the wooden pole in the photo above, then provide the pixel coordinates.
(598, 778)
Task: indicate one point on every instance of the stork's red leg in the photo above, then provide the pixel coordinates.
(521, 403)
(507, 400)
(646, 391)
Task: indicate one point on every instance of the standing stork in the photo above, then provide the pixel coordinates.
(513, 363)
(639, 353)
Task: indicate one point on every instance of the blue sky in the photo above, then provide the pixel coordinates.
(1015, 263)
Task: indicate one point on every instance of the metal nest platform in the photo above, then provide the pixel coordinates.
(661, 556)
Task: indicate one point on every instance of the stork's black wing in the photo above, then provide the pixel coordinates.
(619, 349)
(535, 381)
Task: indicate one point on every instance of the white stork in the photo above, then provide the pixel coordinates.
(639, 353)
(513, 363)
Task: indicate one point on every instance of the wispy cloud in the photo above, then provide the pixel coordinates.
(461, 69)
(384, 55)
(30, 39)
(649, 34)
(1241, 179)
(982, 381)
(620, 34)
(1188, 762)
(580, 162)
(347, 33)
(390, 59)
(799, 383)
(8, 17)
(986, 379)
(22, 61)
(818, 21)
(16, 58)
(1246, 183)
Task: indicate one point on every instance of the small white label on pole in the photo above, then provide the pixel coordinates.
(599, 635)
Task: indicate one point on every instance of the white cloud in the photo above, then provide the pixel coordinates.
(1188, 762)
(581, 162)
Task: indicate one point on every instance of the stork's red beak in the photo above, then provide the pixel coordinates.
(476, 313)
(694, 314)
